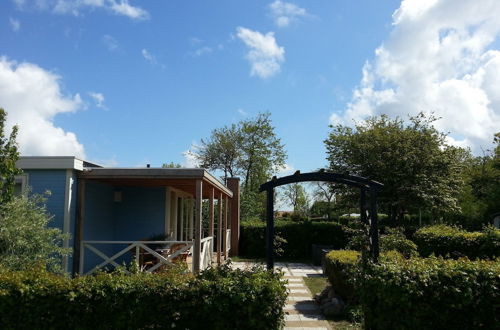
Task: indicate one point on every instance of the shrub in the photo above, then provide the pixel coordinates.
(298, 235)
(218, 298)
(431, 293)
(340, 267)
(396, 240)
(25, 237)
(443, 240)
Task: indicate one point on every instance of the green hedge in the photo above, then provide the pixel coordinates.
(443, 240)
(340, 267)
(299, 237)
(217, 299)
(431, 293)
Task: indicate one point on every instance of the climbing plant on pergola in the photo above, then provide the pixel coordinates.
(368, 189)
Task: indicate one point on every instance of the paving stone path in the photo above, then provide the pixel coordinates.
(301, 312)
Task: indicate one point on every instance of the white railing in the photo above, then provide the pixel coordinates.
(228, 241)
(138, 249)
(207, 251)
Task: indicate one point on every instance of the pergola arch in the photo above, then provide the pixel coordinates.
(366, 186)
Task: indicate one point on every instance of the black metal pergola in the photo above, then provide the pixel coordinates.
(368, 216)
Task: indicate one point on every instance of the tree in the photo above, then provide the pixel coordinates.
(171, 165)
(296, 195)
(9, 155)
(249, 149)
(25, 237)
(416, 166)
(324, 195)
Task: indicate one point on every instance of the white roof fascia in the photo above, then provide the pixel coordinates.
(49, 163)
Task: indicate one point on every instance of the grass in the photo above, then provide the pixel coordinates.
(316, 285)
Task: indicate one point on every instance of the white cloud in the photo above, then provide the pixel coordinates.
(438, 58)
(148, 56)
(110, 42)
(242, 112)
(98, 99)
(14, 24)
(285, 170)
(264, 55)
(190, 160)
(32, 98)
(74, 7)
(124, 8)
(284, 13)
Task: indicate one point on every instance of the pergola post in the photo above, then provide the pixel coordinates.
(374, 224)
(270, 229)
(219, 228)
(211, 212)
(362, 205)
(197, 229)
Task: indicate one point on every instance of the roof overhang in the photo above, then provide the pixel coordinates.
(52, 163)
(180, 178)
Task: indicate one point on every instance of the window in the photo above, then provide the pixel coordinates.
(21, 182)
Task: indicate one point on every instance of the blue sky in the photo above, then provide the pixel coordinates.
(126, 83)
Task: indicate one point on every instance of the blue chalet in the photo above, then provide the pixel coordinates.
(151, 215)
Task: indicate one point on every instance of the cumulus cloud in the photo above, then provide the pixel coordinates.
(440, 58)
(264, 54)
(32, 97)
(284, 13)
(14, 24)
(190, 160)
(74, 7)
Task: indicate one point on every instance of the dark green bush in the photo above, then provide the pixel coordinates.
(216, 299)
(442, 240)
(299, 237)
(431, 293)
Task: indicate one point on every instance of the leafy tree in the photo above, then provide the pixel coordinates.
(324, 195)
(480, 197)
(222, 151)
(8, 158)
(296, 195)
(416, 166)
(171, 165)
(249, 149)
(25, 237)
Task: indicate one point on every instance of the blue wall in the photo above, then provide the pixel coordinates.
(54, 181)
(140, 215)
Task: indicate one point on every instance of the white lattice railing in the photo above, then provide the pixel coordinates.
(137, 248)
(228, 241)
(207, 251)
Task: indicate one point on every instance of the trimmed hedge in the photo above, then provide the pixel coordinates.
(442, 240)
(299, 237)
(218, 298)
(341, 267)
(431, 293)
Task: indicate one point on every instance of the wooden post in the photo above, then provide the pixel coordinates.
(219, 228)
(183, 223)
(374, 224)
(234, 185)
(174, 214)
(362, 205)
(211, 212)
(80, 216)
(191, 226)
(197, 229)
(270, 229)
(226, 205)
